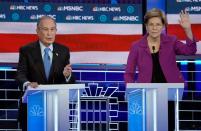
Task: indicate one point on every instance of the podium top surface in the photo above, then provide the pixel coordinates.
(164, 88)
(155, 85)
(51, 87)
(58, 87)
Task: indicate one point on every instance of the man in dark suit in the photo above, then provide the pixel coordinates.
(42, 62)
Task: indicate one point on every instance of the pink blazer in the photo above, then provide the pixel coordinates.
(140, 57)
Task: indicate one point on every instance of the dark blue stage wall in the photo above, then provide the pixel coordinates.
(110, 78)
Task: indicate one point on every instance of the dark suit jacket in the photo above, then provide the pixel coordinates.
(31, 68)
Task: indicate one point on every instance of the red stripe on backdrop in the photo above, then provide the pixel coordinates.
(177, 30)
(79, 42)
(98, 42)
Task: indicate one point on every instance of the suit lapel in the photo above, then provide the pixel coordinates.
(38, 60)
(54, 63)
(144, 44)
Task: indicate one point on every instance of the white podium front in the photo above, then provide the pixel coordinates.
(148, 105)
(54, 107)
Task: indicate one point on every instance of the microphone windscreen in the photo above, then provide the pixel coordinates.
(153, 48)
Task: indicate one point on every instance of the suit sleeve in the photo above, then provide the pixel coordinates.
(21, 76)
(72, 78)
(189, 48)
(131, 65)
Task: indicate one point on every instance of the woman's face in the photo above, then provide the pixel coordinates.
(154, 27)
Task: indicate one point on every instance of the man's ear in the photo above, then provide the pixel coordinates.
(37, 30)
(146, 26)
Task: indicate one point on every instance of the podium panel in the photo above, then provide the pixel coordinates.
(36, 114)
(136, 108)
(148, 105)
(54, 107)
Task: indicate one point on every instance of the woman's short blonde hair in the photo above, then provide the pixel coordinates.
(155, 13)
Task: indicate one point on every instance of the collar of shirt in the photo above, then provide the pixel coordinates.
(42, 47)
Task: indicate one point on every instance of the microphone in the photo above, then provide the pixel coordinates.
(153, 49)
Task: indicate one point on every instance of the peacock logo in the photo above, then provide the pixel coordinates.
(36, 110)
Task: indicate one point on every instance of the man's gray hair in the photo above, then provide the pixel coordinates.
(44, 17)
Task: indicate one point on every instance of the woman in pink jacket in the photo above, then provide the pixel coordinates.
(155, 54)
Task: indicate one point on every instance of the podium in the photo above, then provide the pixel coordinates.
(54, 107)
(148, 105)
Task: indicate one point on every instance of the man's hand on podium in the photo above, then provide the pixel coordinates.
(32, 84)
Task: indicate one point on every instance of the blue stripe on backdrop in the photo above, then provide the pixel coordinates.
(184, 69)
(80, 1)
(5, 68)
(198, 78)
(156, 4)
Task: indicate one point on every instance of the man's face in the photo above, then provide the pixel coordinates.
(46, 31)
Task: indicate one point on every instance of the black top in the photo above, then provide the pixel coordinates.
(157, 74)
